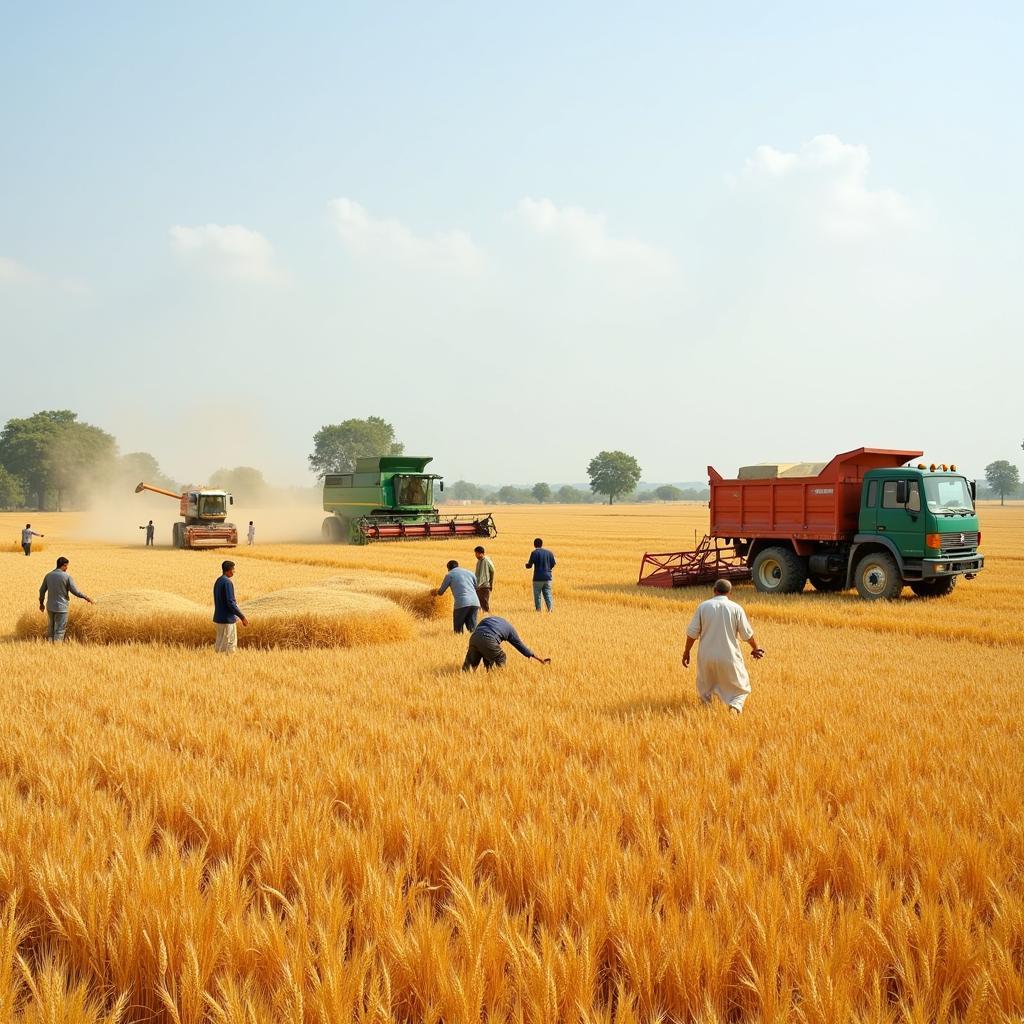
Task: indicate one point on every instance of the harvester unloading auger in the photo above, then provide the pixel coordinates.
(390, 498)
(205, 513)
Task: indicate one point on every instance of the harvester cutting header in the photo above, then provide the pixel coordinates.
(205, 513)
(390, 497)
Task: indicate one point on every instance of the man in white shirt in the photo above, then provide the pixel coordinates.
(719, 624)
(26, 538)
(252, 533)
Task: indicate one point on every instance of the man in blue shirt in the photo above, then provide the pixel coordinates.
(462, 584)
(226, 611)
(485, 645)
(541, 562)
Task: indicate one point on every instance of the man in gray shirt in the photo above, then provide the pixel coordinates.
(462, 584)
(55, 591)
(26, 538)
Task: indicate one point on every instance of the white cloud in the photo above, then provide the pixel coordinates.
(229, 250)
(391, 241)
(828, 179)
(585, 234)
(14, 273)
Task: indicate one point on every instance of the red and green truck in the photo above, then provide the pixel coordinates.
(868, 519)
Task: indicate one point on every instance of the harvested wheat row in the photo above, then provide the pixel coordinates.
(410, 594)
(297, 618)
(15, 547)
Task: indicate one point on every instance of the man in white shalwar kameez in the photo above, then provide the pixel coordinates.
(719, 624)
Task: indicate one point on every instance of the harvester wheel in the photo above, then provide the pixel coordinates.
(178, 535)
(937, 586)
(878, 577)
(779, 571)
(827, 584)
(331, 530)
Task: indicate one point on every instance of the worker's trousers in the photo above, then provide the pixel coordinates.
(57, 626)
(227, 638)
(484, 594)
(542, 589)
(27, 548)
(484, 647)
(465, 617)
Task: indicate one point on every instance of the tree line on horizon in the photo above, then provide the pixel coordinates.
(54, 460)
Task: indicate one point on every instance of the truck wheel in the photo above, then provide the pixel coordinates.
(178, 535)
(878, 577)
(331, 530)
(937, 586)
(827, 584)
(779, 571)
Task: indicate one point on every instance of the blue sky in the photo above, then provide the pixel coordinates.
(521, 235)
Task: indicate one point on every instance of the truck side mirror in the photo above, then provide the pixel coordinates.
(441, 484)
(231, 499)
(973, 484)
(902, 492)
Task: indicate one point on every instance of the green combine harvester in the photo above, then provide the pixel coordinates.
(389, 497)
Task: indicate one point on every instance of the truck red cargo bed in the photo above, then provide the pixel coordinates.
(823, 507)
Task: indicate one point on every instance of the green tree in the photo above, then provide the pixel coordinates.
(336, 446)
(569, 495)
(463, 490)
(1003, 477)
(669, 492)
(245, 484)
(613, 473)
(542, 492)
(55, 454)
(12, 493)
(510, 495)
(141, 466)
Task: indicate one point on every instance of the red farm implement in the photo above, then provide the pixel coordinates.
(712, 559)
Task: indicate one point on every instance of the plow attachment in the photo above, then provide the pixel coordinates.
(370, 529)
(711, 560)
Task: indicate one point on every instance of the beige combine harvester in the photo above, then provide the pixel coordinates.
(205, 513)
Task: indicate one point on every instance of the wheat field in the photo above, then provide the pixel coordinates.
(343, 834)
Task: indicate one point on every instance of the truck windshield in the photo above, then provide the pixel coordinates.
(212, 505)
(412, 490)
(948, 492)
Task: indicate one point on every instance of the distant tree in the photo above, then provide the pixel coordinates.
(613, 473)
(244, 483)
(669, 492)
(463, 490)
(510, 495)
(569, 495)
(1003, 477)
(12, 491)
(136, 467)
(337, 445)
(55, 454)
(542, 492)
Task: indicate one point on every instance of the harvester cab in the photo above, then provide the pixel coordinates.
(205, 513)
(391, 497)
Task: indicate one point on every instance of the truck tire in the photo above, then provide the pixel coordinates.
(827, 584)
(779, 570)
(178, 535)
(331, 530)
(878, 577)
(937, 586)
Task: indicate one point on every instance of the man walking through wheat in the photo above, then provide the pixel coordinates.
(719, 624)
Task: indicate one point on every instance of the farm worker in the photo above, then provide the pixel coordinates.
(484, 577)
(252, 533)
(53, 599)
(226, 611)
(150, 531)
(26, 538)
(485, 645)
(542, 562)
(462, 584)
(718, 624)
